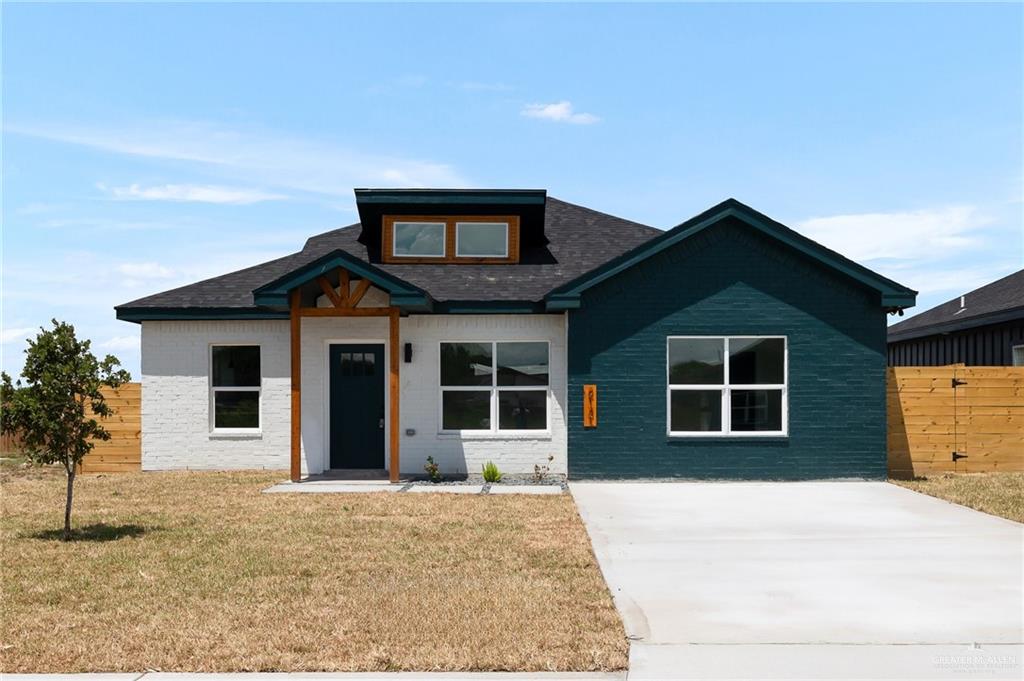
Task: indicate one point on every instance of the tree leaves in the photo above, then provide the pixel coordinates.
(53, 413)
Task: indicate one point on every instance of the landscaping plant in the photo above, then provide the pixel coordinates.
(540, 473)
(53, 413)
(433, 470)
(491, 472)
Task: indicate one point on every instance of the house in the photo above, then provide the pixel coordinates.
(509, 326)
(982, 328)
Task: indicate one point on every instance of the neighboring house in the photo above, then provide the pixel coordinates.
(982, 328)
(471, 325)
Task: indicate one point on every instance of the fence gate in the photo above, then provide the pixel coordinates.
(955, 419)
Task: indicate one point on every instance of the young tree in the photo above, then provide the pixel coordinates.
(53, 412)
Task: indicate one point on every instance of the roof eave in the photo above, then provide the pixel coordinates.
(953, 325)
(149, 314)
(451, 196)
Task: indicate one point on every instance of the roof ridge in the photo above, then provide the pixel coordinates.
(330, 231)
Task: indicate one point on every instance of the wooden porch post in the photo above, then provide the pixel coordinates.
(393, 465)
(296, 355)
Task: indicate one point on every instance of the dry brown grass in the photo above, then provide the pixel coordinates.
(1000, 494)
(201, 572)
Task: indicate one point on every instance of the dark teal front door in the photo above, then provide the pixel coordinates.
(357, 406)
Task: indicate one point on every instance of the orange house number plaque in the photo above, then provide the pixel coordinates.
(589, 406)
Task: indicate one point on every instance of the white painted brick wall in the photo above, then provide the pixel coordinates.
(176, 396)
(420, 395)
(176, 402)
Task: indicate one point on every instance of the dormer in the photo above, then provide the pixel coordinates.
(451, 226)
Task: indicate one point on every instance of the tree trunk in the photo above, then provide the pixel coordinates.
(67, 506)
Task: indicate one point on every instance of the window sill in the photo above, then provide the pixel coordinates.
(731, 437)
(236, 434)
(538, 436)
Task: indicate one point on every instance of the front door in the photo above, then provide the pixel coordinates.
(357, 405)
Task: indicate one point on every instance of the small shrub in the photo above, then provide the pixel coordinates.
(540, 473)
(433, 470)
(491, 472)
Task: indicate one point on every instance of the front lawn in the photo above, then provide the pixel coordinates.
(1000, 494)
(201, 572)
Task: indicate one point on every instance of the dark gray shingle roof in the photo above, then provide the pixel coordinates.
(580, 240)
(986, 305)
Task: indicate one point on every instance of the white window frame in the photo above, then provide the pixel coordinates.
(1013, 354)
(246, 388)
(459, 225)
(444, 239)
(726, 389)
(494, 389)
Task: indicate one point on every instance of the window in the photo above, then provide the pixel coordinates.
(419, 240)
(488, 239)
(1018, 355)
(481, 239)
(727, 385)
(494, 386)
(235, 387)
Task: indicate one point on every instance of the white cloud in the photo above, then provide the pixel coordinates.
(145, 270)
(940, 252)
(909, 235)
(559, 111)
(192, 193)
(929, 279)
(16, 334)
(120, 343)
(258, 156)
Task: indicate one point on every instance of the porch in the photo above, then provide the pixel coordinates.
(360, 437)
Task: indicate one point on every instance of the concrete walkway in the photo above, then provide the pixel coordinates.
(820, 580)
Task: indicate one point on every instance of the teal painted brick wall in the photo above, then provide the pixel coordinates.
(729, 280)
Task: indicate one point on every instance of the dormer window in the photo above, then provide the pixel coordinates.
(418, 240)
(450, 239)
(481, 239)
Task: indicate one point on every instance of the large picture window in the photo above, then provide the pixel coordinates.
(235, 387)
(734, 385)
(494, 386)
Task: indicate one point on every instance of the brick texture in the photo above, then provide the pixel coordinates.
(176, 396)
(729, 281)
(176, 399)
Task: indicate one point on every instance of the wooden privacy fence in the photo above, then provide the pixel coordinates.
(123, 451)
(955, 419)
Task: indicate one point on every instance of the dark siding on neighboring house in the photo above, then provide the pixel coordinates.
(990, 345)
(730, 280)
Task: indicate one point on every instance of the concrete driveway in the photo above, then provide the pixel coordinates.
(821, 580)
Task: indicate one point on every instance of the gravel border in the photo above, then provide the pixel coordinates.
(511, 479)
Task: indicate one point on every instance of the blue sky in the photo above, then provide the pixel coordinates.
(148, 146)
